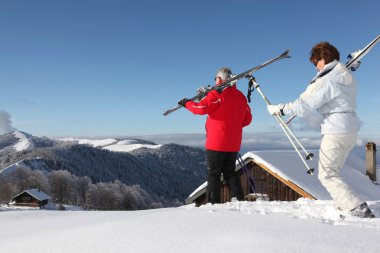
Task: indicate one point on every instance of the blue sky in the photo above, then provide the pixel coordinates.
(101, 68)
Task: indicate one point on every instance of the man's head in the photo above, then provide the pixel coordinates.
(222, 75)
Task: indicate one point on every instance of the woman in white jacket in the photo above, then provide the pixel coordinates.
(333, 94)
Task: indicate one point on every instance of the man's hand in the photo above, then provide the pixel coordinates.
(276, 109)
(183, 101)
(203, 89)
(233, 82)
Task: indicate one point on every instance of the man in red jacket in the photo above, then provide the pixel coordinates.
(228, 112)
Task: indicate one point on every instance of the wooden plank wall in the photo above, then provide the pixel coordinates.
(265, 183)
(270, 185)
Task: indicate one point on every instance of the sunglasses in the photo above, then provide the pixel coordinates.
(315, 61)
(217, 78)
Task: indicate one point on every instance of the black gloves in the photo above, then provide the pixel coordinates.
(183, 101)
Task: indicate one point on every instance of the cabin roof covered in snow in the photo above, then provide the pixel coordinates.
(38, 194)
(287, 165)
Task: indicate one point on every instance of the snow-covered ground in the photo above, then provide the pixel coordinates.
(261, 226)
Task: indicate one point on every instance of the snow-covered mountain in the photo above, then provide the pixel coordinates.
(21, 141)
(117, 145)
(169, 171)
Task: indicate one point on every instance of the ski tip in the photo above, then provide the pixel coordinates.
(286, 53)
(173, 109)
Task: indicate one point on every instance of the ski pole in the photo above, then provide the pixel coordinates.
(290, 119)
(289, 134)
(247, 173)
(309, 156)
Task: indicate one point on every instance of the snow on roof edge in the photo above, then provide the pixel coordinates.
(38, 194)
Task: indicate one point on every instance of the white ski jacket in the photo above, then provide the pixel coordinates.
(333, 95)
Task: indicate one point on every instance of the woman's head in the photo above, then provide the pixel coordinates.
(323, 51)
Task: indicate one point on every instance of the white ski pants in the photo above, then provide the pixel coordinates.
(332, 155)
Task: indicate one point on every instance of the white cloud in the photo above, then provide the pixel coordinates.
(310, 122)
(5, 122)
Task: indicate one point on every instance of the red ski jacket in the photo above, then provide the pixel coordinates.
(228, 112)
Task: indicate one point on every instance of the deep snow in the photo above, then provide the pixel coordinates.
(261, 226)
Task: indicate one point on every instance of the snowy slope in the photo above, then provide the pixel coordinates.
(23, 143)
(12, 168)
(31, 163)
(113, 144)
(301, 226)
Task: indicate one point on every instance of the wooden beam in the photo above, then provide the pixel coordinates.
(370, 154)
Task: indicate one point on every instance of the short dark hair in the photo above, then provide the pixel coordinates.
(324, 50)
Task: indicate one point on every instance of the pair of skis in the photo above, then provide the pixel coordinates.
(230, 82)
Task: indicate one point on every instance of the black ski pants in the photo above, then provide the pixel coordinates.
(218, 163)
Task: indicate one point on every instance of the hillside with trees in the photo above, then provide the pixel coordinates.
(87, 176)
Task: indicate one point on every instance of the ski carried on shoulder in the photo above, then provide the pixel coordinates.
(357, 55)
(353, 61)
(230, 82)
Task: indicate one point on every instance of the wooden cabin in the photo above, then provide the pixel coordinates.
(31, 198)
(281, 175)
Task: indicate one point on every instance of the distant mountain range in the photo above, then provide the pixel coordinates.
(168, 171)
